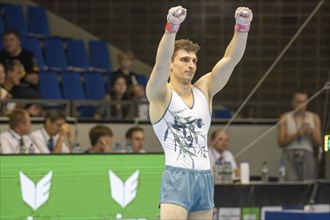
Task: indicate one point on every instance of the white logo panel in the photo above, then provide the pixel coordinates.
(123, 193)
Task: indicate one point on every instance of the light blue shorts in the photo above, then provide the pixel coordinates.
(190, 189)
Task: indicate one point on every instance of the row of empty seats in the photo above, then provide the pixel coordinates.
(57, 54)
(36, 23)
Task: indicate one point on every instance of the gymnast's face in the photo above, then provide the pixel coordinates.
(183, 66)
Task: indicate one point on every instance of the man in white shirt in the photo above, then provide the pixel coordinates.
(218, 150)
(15, 140)
(135, 139)
(51, 137)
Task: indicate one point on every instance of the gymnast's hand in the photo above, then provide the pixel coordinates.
(243, 16)
(176, 15)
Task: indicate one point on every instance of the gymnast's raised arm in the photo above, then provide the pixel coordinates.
(214, 81)
(159, 76)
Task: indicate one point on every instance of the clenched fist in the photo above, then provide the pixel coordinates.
(175, 17)
(243, 18)
(243, 15)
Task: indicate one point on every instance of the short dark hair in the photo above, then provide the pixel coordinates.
(16, 117)
(11, 31)
(132, 130)
(98, 131)
(54, 115)
(185, 44)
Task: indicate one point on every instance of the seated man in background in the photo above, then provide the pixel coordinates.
(135, 140)
(51, 137)
(16, 140)
(28, 87)
(299, 135)
(126, 60)
(218, 151)
(101, 140)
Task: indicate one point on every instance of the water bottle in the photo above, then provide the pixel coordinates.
(31, 149)
(119, 148)
(281, 171)
(227, 172)
(23, 150)
(75, 147)
(128, 148)
(264, 172)
(217, 170)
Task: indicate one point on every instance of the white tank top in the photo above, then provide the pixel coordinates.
(304, 142)
(182, 132)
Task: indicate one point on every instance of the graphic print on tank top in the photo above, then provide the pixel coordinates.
(186, 135)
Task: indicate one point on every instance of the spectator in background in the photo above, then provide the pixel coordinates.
(16, 140)
(13, 75)
(118, 92)
(141, 108)
(299, 135)
(101, 139)
(13, 70)
(218, 151)
(135, 139)
(51, 137)
(126, 60)
(28, 87)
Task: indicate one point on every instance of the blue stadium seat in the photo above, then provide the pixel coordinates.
(73, 89)
(33, 45)
(99, 56)
(142, 79)
(94, 85)
(55, 55)
(94, 90)
(72, 86)
(49, 86)
(14, 18)
(222, 113)
(77, 55)
(37, 21)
